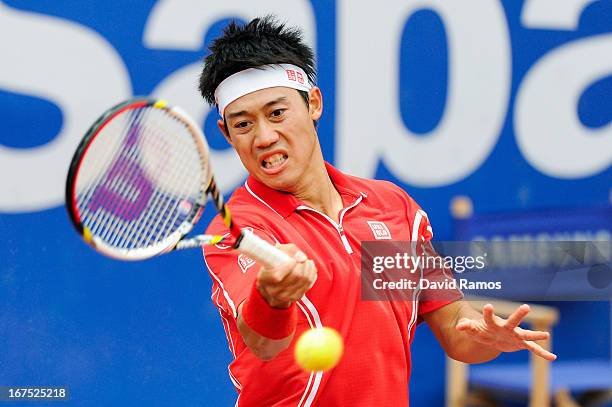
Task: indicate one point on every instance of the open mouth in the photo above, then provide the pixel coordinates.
(274, 161)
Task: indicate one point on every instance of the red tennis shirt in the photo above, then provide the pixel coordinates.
(375, 368)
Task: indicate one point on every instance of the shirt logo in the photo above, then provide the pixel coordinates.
(380, 230)
(245, 262)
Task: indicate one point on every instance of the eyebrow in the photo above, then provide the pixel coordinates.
(243, 112)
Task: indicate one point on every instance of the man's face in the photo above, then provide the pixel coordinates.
(273, 133)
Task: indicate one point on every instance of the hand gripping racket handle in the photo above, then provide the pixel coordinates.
(260, 250)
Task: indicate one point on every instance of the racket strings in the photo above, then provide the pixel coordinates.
(160, 205)
(164, 216)
(138, 233)
(89, 171)
(149, 173)
(128, 185)
(87, 203)
(175, 205)
(123, 183)
(188, 176)
(124, 239)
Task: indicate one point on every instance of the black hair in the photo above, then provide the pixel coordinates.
(262, 41)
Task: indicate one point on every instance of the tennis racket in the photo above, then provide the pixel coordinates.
(139, 181)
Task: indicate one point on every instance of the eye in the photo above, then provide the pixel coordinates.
(277, 112)
(241, 125)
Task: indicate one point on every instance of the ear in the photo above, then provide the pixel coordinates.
(315, 103)
(221, 126)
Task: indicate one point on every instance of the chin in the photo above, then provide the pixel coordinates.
(278, 182)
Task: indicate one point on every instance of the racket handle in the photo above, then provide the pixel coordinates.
(260, 250)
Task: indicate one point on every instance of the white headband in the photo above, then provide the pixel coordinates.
(254, 79)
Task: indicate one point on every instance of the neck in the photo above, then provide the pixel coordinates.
(318, 191)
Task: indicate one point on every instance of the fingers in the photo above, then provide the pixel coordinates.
(489, 315)
(293, 251)
(517, 316)
(528, 335)
(289, 274)
(540, 351)
(277, 274)
(287, 282)
(314, 279)
(298, 282)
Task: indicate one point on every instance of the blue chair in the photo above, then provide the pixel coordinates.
(538, 381)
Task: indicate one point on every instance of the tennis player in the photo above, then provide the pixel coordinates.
(261, 77)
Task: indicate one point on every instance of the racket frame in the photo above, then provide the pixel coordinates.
(170, 242)
(245, 241)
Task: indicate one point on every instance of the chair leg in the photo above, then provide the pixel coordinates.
(563, 398)
(456, 383)
(540, 370)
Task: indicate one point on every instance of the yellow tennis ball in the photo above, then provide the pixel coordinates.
(319, 349)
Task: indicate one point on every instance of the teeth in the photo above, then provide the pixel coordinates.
(274, 160)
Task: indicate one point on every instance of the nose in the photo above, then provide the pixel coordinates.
(266, 135)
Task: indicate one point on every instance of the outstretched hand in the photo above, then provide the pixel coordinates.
(505, 335)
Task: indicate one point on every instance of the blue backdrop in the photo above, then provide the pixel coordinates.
(147, 333)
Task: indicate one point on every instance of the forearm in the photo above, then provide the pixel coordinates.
(267, 319)
(265, 330)
(460, 345)
(264, 348)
